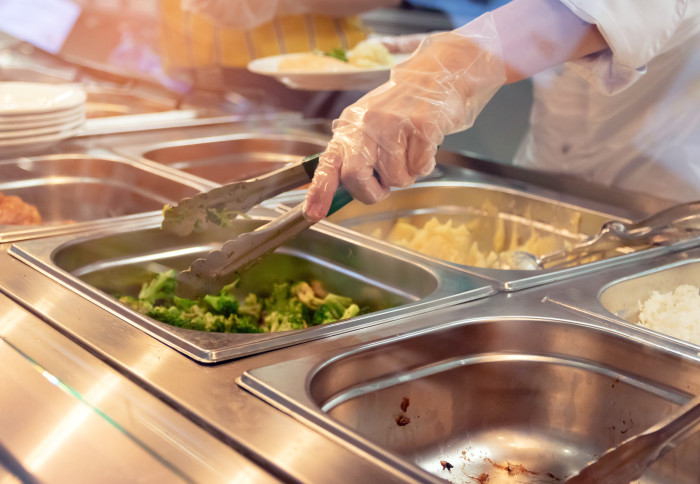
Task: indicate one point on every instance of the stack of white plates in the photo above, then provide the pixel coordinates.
(35, 115)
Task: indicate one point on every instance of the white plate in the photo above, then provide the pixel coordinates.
(360, 79)
(32, 132)
(39, 119)
(7, 126)
(22, 98)
(32, 140)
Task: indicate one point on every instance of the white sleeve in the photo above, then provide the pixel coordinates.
(636, 31)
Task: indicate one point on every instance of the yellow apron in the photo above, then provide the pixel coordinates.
(189, 40)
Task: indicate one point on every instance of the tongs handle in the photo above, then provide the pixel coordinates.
(644, 229)
(209, 274)
(616, 233)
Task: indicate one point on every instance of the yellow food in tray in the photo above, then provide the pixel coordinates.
(477, 242)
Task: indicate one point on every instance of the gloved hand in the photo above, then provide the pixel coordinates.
(389, 137)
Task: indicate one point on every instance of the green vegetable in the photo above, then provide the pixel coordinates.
(222, 216)
(162, 288)
(283, 312)
(287, 307)
(339, 53)
(335, 307)
(306, 294)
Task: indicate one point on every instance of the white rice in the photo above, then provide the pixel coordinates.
(675, 313)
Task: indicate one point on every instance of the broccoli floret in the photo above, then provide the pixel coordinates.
(136, 304)
(283, 321)
(161, 288)
(245, 323)
(169, 315)
(335, 307)
(224, 305)
(251, 306)
(306, 294)
(283, 311)
(183, 304)
(203, 320)
(351, 311)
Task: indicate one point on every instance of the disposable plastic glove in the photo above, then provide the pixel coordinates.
(402, 44)
(389, 137)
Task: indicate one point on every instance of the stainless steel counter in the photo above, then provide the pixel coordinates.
(66, 416)
(291, 443)
(182, 419)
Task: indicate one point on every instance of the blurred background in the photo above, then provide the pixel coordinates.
(118, 40)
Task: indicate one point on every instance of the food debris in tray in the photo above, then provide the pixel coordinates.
(513, 469)
(15, 211)
(482, 478)
(288, 306)
(402, 420)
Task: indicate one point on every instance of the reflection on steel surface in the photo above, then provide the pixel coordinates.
(532, 398)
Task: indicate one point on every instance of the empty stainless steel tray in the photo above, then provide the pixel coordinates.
(479, 398)
(71, 191)
(390, 285)
(235, 157)
(108, 101)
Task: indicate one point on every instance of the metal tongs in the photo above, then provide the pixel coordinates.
(662, 227)
(209, 274)
(629, 460)
(208, 208)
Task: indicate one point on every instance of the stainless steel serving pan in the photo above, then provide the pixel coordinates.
(224, 159)
(108, 101)
(614, 293)
(75, 191)
(391, 285)
(483, 394)
(522, 208)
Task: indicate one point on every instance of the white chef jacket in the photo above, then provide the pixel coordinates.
(628, 116)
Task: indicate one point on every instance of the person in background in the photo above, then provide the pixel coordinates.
(617, 98)
(211, 42)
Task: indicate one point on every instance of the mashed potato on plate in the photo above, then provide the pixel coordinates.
(366, 55)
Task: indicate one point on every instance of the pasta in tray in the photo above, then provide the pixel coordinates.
(478, 242)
